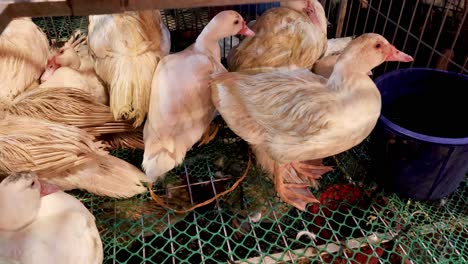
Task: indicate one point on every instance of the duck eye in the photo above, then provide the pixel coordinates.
(61, 52)
(377, 46)
(33, 183)
(236, 22)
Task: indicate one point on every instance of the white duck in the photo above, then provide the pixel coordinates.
(292, 117)
(71, 66)
(294, 34)
(24, 49)
(180, 107)
(126, 48)
(52, 229)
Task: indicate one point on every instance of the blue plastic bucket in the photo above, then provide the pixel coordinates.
(421, 139)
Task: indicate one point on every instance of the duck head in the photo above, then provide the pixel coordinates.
(20, 199)
(225, 24)
(66, 56)
(369, 51)
(312, 8)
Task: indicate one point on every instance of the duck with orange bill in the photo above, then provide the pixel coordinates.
(293, 118)
(71, 66)
(180, 106)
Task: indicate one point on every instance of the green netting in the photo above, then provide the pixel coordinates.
(251, 225)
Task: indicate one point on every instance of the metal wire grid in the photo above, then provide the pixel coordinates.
(230, 230)
(434, 32)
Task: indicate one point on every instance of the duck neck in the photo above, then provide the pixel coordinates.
(75, 64)
(345, 74)
(207, 43)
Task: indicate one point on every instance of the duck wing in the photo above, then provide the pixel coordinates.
(286, 102)
(72, 106)
(66, 156)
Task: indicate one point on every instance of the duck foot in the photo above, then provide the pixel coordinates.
(297, 195)
(209, 134)
(311, 171)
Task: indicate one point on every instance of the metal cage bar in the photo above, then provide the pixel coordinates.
(194, 215)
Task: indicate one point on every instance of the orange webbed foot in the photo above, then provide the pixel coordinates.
(310, 171)
(297, 195)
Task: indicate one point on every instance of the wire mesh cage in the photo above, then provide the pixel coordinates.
(251, 225)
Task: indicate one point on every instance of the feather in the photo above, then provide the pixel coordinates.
(66, 156)
(126, 49)
(74, 107)
(106, 176)
(125, 140)
(324, 66)
(24, 50)
(284, 37)
(261, 94)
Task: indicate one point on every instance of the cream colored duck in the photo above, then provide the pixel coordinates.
(24, 49)
(73, 106)
(181, 108)
(52, 229)
(292, 117)
(71, 66)
(65, 156)
(126, 48)
(294, 34)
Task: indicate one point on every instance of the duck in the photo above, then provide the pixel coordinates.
(294, 34)
(71, 66)
(45, 227)
(65, 156)
(24, 49)
(293, 118)
(75, 107)
(180, 107)
(125, 49)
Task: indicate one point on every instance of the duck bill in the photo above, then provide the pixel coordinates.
(52, 66)
(396, 55)
(246, 31)
(47, 188)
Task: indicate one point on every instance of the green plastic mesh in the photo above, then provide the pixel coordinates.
(251, 225)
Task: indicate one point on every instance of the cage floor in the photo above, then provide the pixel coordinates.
(250, 225)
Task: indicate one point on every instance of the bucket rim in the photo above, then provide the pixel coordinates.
(422, 137)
